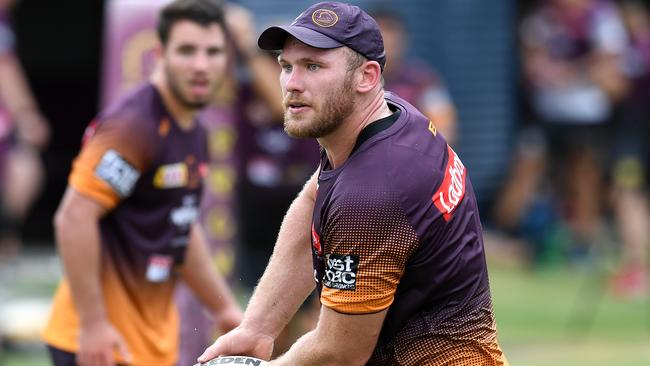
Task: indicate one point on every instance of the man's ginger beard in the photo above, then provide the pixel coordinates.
(337, 106)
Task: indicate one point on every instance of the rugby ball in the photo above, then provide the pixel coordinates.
(234, 360)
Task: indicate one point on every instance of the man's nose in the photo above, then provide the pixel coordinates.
(201, 61)
(294, 82)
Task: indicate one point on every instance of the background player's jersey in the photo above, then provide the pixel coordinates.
(397, 226)
(139, 163)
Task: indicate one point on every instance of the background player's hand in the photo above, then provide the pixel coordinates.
(96, 345)
(240, 341)
(229, 318)
(240, 23)
(32, 128)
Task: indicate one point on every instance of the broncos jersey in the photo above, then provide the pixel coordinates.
(137, 162)
(397, 226)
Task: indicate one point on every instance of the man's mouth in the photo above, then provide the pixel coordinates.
(296, 106)
(199, 86)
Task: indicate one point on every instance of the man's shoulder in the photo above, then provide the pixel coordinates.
(139, 103)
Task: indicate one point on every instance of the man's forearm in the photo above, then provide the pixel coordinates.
(200, 275)
(288, 278)
(78, 241)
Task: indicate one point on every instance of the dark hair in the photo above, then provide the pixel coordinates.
(203, 12)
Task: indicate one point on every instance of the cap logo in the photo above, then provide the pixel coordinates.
(324, 18)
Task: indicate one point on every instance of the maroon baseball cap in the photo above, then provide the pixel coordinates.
(330, 24)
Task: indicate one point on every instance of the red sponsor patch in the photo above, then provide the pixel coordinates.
(89, 132)
(315, 240)
(203, 169)
(452, 189)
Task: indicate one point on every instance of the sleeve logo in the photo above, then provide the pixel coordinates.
(341, 271)
(452, 189)
(117, 172)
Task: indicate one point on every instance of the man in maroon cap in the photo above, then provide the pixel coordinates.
(388, 227)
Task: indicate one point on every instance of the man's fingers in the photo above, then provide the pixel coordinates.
(211, 352)
(123, 350)
(208, 354)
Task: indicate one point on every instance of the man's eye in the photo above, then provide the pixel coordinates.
(286, 68)
(313, 67)
(186, 50)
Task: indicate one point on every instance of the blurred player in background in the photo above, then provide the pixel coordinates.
(413, 80)
(632, 158)
(272, 165)
(571, 51)
(23, 132)
(126, 228)
(396, 248)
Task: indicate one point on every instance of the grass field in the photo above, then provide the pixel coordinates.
(559, 317)
(562, 317)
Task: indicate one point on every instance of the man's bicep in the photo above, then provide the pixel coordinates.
(353, 335)
(75, 206)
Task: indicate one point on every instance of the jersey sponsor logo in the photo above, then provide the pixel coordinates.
(315, 241)
(159, 267)
(324, 18)
(341, 271)
(452, 189)
(187, 213)
(171, 176)
(117, 172)
(239, 360)
(90, 131)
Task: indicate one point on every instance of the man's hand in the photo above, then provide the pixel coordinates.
(32, 128)
(97, 343)
(240, 341)
(240, 23)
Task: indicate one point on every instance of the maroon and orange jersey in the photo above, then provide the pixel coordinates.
(397, 226)
(140, 164)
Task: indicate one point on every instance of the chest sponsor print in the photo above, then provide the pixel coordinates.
(187, 213)
(341, 271)
(171, 176)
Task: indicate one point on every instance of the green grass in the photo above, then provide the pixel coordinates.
(562, 317)
(32, 356)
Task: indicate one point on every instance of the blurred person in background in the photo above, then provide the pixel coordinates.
(271, 169)
(414, 80)
(632, 158)
(272, 165)
(571, 51)
(24, 132)
(126, 227)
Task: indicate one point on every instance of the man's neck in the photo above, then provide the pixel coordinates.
(339, 144)
(182, 115)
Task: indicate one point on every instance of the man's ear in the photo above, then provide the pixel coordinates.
(370, 76)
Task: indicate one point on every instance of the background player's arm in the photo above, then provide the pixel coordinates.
(263, 67)
(286, 283)
(201, 276)
(339, 339)
(78, 239)
(32, 127)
